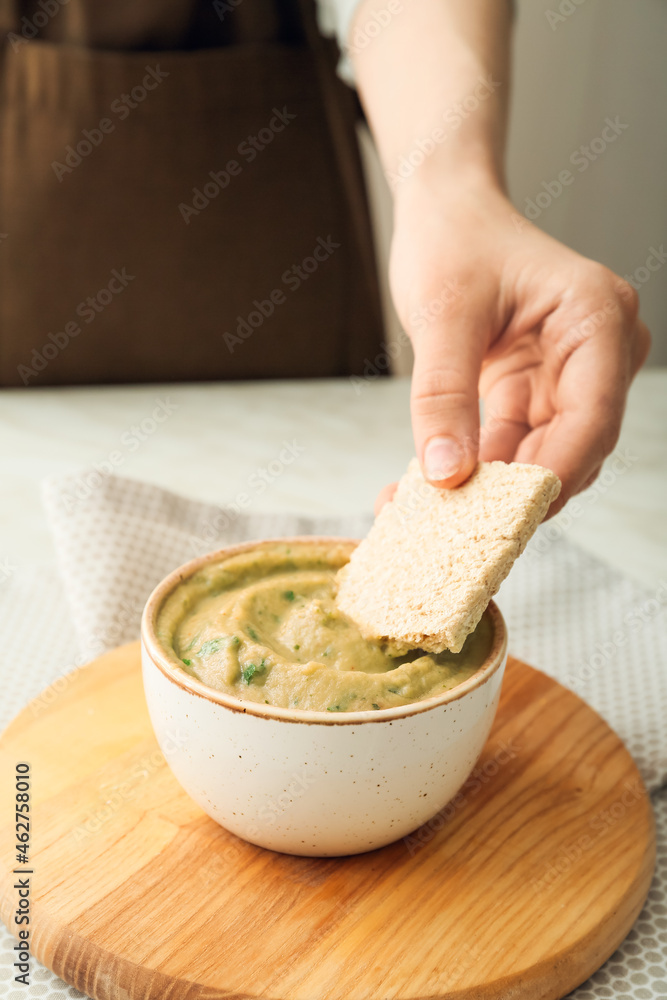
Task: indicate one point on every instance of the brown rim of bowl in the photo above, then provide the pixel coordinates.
(171, 669)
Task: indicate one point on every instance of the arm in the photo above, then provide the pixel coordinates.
(436, 65)
(492, 305)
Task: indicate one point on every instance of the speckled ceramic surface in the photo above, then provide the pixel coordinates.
(244, 763)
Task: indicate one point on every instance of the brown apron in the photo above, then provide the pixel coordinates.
(181, 195)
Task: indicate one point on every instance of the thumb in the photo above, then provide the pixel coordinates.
(445, 399)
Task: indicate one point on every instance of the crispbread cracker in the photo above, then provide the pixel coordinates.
(434, 558)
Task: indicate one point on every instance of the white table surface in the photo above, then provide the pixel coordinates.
(355, 438)
(353, 442)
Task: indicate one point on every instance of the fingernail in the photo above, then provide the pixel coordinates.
(442, 458)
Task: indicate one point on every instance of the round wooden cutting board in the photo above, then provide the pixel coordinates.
(520, 888)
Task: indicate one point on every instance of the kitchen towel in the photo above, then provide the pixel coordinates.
(583, 623)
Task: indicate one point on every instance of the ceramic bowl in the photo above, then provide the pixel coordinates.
(315, 783)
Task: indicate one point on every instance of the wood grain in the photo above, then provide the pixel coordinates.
(520, 888)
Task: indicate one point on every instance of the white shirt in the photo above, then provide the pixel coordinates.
(334, 18)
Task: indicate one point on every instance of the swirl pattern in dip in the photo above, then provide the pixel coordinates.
(263, 626)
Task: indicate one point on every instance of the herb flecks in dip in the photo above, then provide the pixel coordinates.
(264, 626)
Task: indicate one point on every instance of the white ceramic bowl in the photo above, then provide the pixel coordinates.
(315, 783)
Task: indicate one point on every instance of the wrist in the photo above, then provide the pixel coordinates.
(471, 157)
(445, 180)
(463, 140)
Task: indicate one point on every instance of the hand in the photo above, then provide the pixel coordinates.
(495, 307)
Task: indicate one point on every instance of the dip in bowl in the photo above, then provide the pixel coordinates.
(295, 733)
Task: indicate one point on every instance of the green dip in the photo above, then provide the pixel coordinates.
(264, 626)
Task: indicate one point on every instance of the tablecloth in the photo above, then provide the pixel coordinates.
(589, 626)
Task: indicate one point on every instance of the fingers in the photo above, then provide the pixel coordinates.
(641, 346)
(505, 424)
(591, 479)
(500, 439)
(570, 449)
(565, 412)
(385, 494)
(589, 405)
(445, 397)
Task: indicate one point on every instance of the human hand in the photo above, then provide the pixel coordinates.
(495, 307)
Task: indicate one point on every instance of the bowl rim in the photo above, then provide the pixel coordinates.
(170, 668)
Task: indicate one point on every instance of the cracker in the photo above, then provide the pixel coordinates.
(434, 558)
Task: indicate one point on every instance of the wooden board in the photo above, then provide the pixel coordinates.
(519, 890)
